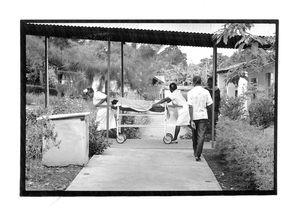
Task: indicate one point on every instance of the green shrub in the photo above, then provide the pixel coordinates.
(130, 132)
(97, 141)
(248, 152)
(233, 108)
(36, 130)
(37, 89)
(66, 105)
(133, 132)
(261, 112)
(39, 99)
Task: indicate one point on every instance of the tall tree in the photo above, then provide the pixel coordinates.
(173, 55)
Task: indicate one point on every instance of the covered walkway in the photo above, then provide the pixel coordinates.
(146, 165)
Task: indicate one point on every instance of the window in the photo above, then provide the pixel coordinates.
(268, 79)
(253, 80)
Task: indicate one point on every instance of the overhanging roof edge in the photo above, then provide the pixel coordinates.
(128, 35)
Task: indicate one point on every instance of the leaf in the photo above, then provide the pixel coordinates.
(219, 38)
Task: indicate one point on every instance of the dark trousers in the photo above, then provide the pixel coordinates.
(209, 126)
(198, 136)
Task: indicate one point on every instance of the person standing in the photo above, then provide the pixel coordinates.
(217, 104)
(183, 110)
(200, 102)
(100, 101)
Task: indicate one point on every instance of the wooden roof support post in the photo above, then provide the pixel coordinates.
(122, 70)
(108, 88)
(215, 64)
(46, 73)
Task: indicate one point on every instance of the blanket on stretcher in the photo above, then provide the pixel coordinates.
(138, 105)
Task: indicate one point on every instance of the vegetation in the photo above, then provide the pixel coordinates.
(248, 151)
(261, 112)
(74, 63)
(233, 108)
(251, 57)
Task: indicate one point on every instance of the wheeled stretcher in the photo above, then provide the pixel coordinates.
(140, 108)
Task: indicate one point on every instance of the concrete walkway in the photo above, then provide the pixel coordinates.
(146, 165)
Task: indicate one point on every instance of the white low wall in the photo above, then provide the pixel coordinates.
(73, 134)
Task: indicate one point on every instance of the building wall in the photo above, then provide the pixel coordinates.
(265, 81)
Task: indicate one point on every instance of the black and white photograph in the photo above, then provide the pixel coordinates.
(148, 107)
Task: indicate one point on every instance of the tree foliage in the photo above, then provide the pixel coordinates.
(79, 61)
(249, 57)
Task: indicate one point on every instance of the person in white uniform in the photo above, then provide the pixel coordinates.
(183, 111)
(101, 118)
(100, 98)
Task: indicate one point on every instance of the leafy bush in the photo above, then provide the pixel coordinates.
(67, 105)
(40, 89)
(97, 141)
(261, 112)
(39, 99)
(130, 132)
(248, 151)
(36, 130)
(233, 108)
(133, 132)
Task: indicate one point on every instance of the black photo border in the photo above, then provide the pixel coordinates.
(24, 192)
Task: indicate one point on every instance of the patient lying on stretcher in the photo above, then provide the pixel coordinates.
(136, 105)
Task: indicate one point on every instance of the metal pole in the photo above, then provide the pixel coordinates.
(122, 71)
(46, 74)
(107, 89)
(215, 53)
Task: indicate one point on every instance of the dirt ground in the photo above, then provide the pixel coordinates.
(39, 177)
(227, 179)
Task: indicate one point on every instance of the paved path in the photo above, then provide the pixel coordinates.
(146, 165)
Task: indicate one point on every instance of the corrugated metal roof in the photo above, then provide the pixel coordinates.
(207, 28)
(92, 31)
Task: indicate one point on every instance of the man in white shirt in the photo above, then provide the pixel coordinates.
(200, 102)
(183, 110)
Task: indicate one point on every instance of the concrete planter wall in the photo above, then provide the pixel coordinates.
(73, 134)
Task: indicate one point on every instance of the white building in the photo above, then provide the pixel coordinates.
(264, 81)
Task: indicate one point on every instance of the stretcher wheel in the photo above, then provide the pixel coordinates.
(168, 138)
(121, 138)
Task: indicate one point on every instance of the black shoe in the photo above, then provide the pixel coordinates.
(197, 159)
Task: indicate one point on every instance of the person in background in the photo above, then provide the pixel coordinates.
(183, 111)
(200, 102)
(217, 103)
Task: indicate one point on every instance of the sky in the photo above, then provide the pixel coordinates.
(194, 54)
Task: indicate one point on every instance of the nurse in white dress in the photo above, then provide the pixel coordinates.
(100, 98)
(183, 112)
